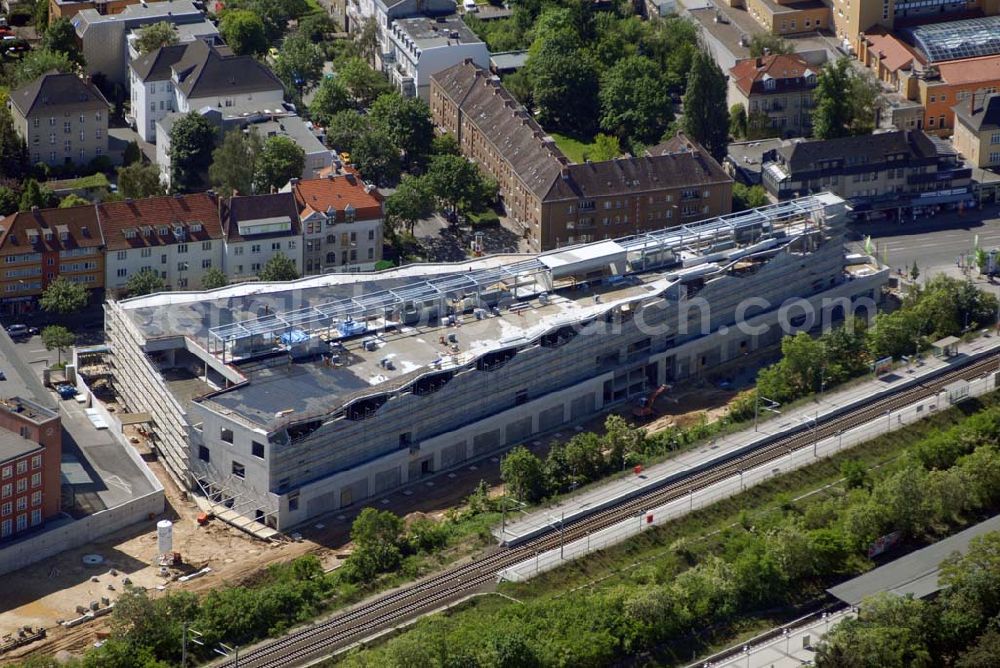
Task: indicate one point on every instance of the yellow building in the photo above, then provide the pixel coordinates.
(977, 130)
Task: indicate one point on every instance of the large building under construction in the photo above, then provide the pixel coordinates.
(280, 402)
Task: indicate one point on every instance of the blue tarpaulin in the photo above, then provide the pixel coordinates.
(293, 337)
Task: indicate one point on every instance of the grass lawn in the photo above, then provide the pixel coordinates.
(98, 180)
(573, 147)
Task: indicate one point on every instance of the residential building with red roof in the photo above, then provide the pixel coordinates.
(777, 93)
(177, 236)
(341, 222)
(41, 245)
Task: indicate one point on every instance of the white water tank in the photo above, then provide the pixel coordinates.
(165, 536)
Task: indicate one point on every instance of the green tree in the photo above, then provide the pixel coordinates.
(605, 147)
(458, 183)
(890, 632)
(244, 32)
(445, 144)
(300, 66)
(585, 457)
(559, 70)
(60, 36)
(234, 163)
(144, 282)
(72, 199)
(279, 268)
(914, 271)
(38, 62)
(762, 44)
(192, 138)
(377, 537)
(41, 15)
(748, 197)
(406, 121)
(57, 337)
(706, 119)
(155, 36)
(8, 201)
(213, 278)
(635, 103)
(738, 121)
(13, 151)
(833, 114)
(522, 472)
(63, 296)
(279, 160)
(412, 201)
(138, 180)
(364, 84)
(331, 97)
(317, 26)
(132, 153)
(35, 195)
(345, 128)
(376, 157)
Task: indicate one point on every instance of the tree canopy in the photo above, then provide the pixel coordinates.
(300, 65)
(155, 36)
(459, 184)
(39, 61)
(144, 282)
(244, 32)
(846, 101)
(60, 37)
(330, 98)
(406, 121)
(63, 296)
(14, 163)
(279, 160)
(362, 82)
(191, 141)
(376, 157)
(279, 268)
(411, 201)
(635, 102)
(57, 337)
(234, 163)
(706, 118)
(213, 278)
(138, 180)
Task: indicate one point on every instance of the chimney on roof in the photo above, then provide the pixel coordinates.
(565, 173)
(351, 179)
(34, 209)
(294, 180)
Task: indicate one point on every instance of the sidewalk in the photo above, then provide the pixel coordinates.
(574, 507)
(793, 647)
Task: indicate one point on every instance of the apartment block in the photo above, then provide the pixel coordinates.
(420, 47)
(557, 202)
(776, 91)
(257, 228)
(67, 9)
(62, 118)
(977, 130)
(902, 170)
(342, 223)
(40, 245)
(176, 236)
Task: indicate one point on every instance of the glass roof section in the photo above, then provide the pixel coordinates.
(954, 40)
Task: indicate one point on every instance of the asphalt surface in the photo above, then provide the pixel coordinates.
(101, 474)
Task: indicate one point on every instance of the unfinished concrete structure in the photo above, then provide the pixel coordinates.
(281, 402)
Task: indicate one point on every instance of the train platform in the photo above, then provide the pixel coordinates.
(521, 526)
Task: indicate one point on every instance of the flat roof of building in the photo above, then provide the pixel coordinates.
(509, 60)
(306, 355)
(13, 445)
(428, 33)
(916, 573)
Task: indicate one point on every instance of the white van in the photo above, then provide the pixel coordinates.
(470, 5)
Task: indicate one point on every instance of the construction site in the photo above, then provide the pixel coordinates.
(278, 403)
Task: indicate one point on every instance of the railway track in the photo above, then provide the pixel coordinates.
(367, 618)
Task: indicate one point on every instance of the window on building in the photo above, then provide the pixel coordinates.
(206, 263)
(182, 282)
(239, 470)
(182, 266)
(206, 245)
(226, 435)
(36, 498)
(22, 503)
(255, 267)
(36, 517)
(36, 480)
(22, 467)
(67, 128)
(36, 462)
(182, 248)
(6, 528)
(203, 454)
(8, 471)
(122, 272)
(293, 502)
(276, 245)
(7, 508)
(22, 485)
(22, 522)
(6, 491)
(257, 449)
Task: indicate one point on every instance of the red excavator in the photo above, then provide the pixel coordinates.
(645, 407)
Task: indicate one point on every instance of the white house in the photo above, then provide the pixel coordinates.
(420, 47)
(258, 228)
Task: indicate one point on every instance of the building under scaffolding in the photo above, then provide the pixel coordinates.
(284, 401)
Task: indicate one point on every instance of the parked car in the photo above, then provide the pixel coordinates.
(20, 331)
